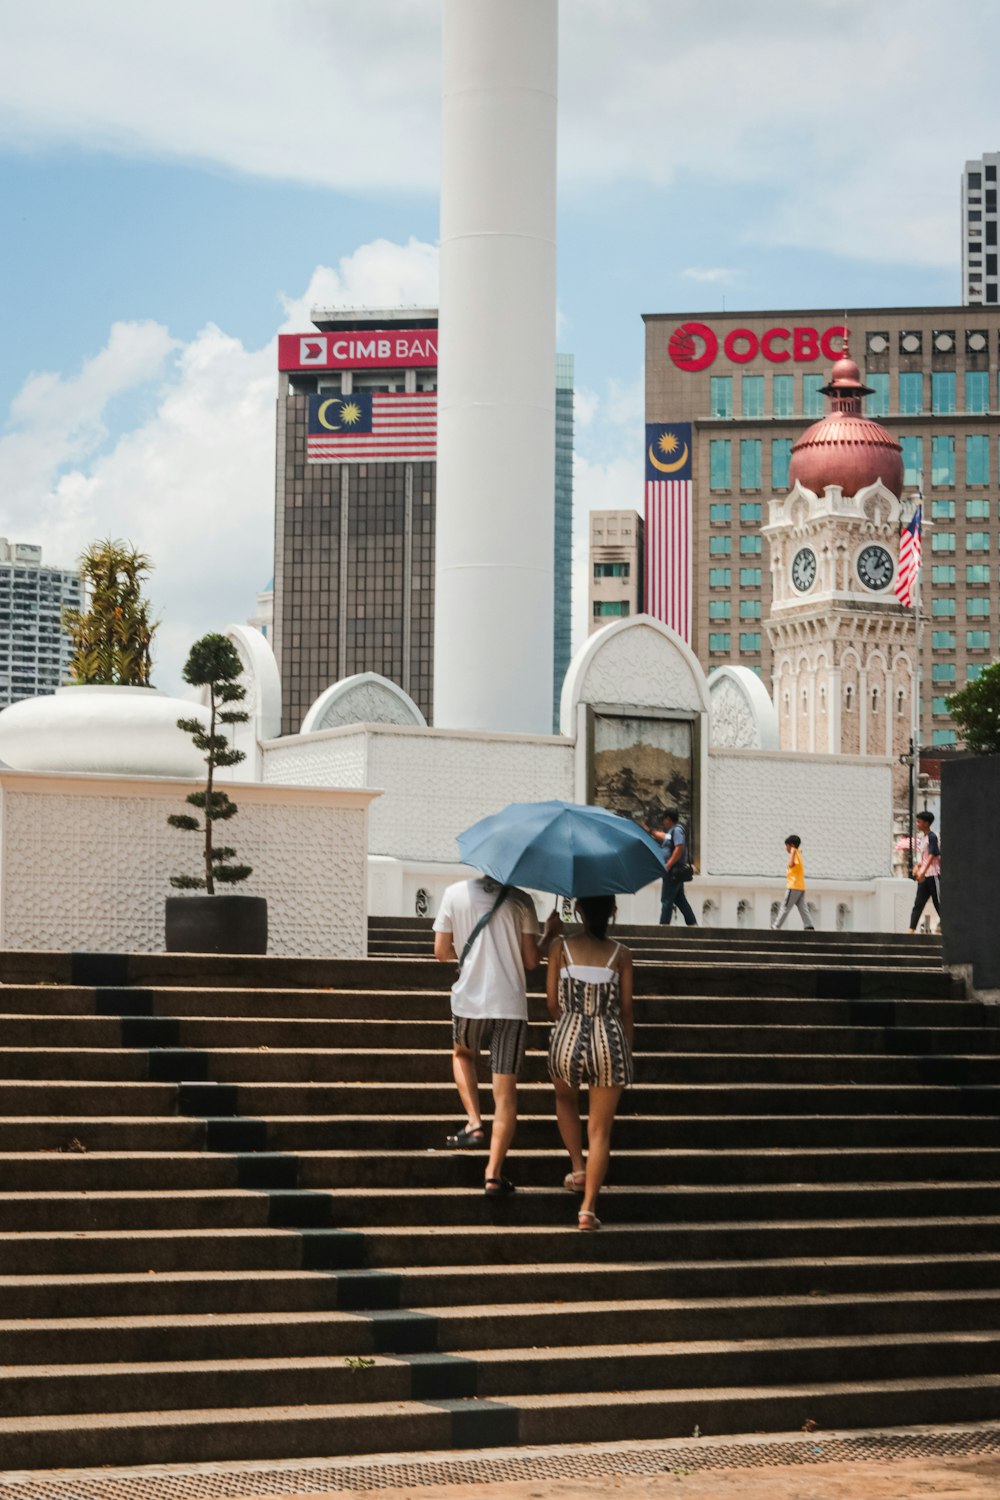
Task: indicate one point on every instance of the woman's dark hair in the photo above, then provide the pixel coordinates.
(597, 912)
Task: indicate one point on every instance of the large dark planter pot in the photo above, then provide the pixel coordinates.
(216, 924)
(970, 838)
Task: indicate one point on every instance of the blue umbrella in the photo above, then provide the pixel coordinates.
(562, 847)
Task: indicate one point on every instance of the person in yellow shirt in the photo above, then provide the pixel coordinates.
(795, 879)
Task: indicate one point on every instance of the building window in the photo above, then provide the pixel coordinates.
(781, 456)
(977, 541)
(783, 393)
(719, 578)
(942, 459)
(942, 510)
(977, 640)
(974, 671)
(750, 640)
(812, 395)
(721, 396)
(720, 464)
(877, 404)
(720, 546)
(943, 737)
(977, 572)
(750, 578)
(612, 570)
(943, 671)
(943, 608)
(977, 609)
(943, 393)
(939, 707)
(911, 393)
(977, 392)
(608, 608)
(943, 640)
(749, 609)
(750, 461)
(977, 459)
(719, 641)
(752, 396)
(750, 546)
(942, 541)
(944, 573)
(721, 513)
(719, 609)
(913, 460)
(749, 512)
(977, 510)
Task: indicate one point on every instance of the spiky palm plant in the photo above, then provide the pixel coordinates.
(213, 663)
(113, 637)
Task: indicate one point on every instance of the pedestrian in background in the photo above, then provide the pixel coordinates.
(795, 882)
(927, 870)
(673, 837)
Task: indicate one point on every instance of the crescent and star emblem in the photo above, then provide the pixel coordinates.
(349, 415)
(668, 445)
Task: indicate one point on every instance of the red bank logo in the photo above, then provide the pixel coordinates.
(693, 346)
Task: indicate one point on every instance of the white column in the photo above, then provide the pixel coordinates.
(496, 367)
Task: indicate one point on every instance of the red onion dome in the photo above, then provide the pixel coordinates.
(845, 447)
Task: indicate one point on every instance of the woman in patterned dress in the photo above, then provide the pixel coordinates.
(589, 993)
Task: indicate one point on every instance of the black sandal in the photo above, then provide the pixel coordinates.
(498, 1187)
(467, 1137)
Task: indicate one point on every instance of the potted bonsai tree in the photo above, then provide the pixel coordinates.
(214, 923)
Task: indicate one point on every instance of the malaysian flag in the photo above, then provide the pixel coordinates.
(668, 525)
(372, 427)
(909, 560)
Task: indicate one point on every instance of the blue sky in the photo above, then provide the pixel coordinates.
(177, 184)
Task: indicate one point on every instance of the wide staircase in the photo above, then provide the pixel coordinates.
(230, 1229)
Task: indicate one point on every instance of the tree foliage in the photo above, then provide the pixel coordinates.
(113, 637)
(214, 664)
(976, 712)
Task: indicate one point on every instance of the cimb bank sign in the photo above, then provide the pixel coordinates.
(694, 346)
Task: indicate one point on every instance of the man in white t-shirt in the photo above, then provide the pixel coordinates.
(489, 1003)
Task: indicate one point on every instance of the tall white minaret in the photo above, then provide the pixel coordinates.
(496, 369)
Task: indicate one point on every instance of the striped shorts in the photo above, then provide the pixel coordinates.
(505, 1037)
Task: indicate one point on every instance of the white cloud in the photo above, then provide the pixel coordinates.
(709, 273)
(380, 274)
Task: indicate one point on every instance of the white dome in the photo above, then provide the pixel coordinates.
(117, 731)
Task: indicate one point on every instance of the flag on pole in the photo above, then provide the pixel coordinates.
(668, 525)
(372, 426)
(910, 547)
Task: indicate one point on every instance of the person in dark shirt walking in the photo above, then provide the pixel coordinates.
(927, 870)
(673, 837)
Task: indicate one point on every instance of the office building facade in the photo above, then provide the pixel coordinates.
(35, 649)
(355, 512)
(978, 231)
(748, 384)
(615, 567)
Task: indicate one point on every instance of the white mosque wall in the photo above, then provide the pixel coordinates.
(86, 860)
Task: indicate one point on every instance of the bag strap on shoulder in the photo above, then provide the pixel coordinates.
(484, 921)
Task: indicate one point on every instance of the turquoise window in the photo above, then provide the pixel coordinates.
(749, 511)
(721, 395)
(977, 459)
(977, 640)
(719, 641)
(781, 456)
(911, 393)
(943, 608)
(750, 461)
(752, 397)
(977, 609)
(612, 569)
(944, 573)
(939, 705)
(977, 572)
(720, 546)
(942, 459)
(878, 401)
(719, 578)
(720, 464)
(812, 395)
(750, 546)
(977, 392)
(943, 671)
(943, 640)
(750, 640)
(913, 459)
(750, 578)
(943, 737)
(749, 609)
(974, 671)
(942, 510)
(943, 392)
(977, 510)
(608, 607)
(784, 396)
(720, 513)
(977, 541)
(719, 609)
(942, 541)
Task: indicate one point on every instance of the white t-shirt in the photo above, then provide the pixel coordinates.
(492, 982)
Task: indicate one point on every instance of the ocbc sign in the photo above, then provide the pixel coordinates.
(693, 346)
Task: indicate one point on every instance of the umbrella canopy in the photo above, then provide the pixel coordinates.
(564, 848)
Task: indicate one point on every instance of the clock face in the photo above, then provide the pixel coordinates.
(875, 568)
(804, 569)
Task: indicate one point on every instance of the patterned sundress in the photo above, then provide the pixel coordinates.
(588, 1043)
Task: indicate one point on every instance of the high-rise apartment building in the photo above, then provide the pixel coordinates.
(35, 649)
(741, 387)
(979, 230)
(355, 510)
(615, 581)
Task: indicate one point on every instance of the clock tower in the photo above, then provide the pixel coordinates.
(844, 647)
